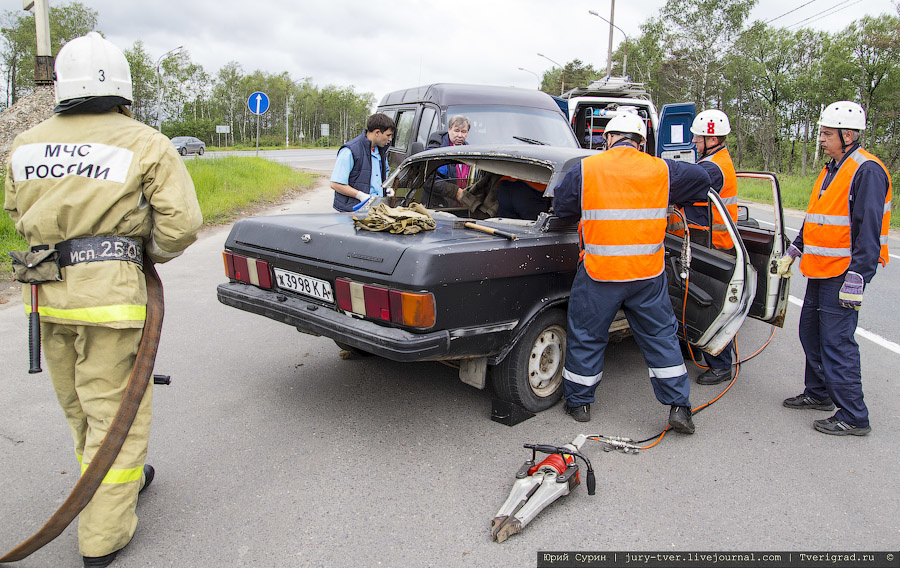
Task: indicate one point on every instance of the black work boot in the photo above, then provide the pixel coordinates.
(149, 474)
(806, 402)
(99, 561)
(680, 419)
(579, 413)
(714, 376)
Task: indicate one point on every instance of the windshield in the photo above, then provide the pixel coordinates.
(179, 139)
(494, 124)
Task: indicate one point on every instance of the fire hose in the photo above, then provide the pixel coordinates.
(90, 480)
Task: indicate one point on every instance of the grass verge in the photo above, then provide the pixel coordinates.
(226, 188)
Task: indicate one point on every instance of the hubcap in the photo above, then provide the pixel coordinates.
(545, 363)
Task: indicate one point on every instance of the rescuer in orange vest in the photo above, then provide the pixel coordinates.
(710, 128)
(841, 243)
(621, 197)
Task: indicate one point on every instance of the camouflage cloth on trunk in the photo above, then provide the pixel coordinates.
(405, 220)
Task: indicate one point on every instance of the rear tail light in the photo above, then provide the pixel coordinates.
(247, 270)
(413, 309)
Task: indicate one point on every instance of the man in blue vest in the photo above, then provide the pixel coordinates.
(361, 165)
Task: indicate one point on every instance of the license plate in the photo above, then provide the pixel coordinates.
(304, 285)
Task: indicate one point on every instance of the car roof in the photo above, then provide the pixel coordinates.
(445, 94)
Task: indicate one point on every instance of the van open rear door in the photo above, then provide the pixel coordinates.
(674, 138)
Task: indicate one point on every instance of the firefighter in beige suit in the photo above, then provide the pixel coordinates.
(101, 187)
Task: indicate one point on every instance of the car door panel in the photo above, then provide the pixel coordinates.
(720, 286)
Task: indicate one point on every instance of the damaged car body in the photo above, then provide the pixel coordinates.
(493, 304)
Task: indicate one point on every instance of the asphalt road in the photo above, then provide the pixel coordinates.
(272, 451)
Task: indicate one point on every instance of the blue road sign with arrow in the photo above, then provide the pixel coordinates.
(258, 102)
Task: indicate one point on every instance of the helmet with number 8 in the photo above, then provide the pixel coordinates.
(90, 66)
(843, 114)
(711, 122)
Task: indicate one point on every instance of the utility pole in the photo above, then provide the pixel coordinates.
(43, 64)
(612, 14)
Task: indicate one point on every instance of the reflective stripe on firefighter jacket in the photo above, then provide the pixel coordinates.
(83, 175)
(624, 201)
(720, 237)
(827, 243)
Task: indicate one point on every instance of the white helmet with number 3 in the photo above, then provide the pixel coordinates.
(90, 66)
(711, 122)
(843, 114)
(627, 123)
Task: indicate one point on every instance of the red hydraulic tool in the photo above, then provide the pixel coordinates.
(539, 485)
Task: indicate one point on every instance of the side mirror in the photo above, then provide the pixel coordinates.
(415, 148)
(743, 213)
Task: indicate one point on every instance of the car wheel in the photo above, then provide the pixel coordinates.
(200, 151)
(183, 151)
(531, 375)
(353, 350)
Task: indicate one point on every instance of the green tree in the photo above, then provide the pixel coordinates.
(18, 45)
(574, 74)
(143, 83)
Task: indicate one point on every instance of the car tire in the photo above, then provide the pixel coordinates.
(531, 374)
(200, 151)
(183, 151)
(351, 349)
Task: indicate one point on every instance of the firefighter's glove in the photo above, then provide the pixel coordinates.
(363, 199)
(783, 264)
(851, 293)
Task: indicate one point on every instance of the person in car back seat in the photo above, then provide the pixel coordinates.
(361, 165)
(621, 197)
(710, 128)
(451, 179)
(520, 199)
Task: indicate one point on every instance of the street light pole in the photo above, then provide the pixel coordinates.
(609, 54)
(562, 73)
(533, 73)
(159, 87)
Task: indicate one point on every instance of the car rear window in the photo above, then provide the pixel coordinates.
(495, 124)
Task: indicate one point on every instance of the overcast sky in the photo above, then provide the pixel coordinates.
(383, 45)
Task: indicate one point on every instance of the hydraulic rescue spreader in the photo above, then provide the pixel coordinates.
(539, 485)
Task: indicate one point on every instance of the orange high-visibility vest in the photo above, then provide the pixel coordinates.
(624, 198)
(728, 193)
(826, 228)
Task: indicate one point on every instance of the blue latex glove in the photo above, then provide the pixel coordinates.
(364, 198)
(783, 264)
(851, 293)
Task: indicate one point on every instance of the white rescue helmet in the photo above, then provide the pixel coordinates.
(711, 122)
(627, 123)
(843, 114)
(90, 66)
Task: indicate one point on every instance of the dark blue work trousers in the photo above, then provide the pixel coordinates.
(832, 354)
(592, 308)
(723, 360)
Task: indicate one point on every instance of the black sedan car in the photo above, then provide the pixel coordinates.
(189, 145)
(493, 304)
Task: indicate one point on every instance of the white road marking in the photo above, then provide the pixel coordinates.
(873, 337)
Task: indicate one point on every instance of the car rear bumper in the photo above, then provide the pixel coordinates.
(309, 317)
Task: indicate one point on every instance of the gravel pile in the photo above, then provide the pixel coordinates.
(25, 113)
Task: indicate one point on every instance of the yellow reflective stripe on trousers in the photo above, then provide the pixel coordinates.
(98, 314)
(118, 475)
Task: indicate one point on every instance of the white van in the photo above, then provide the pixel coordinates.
(591, 107)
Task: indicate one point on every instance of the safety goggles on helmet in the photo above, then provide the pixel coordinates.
(627, 123)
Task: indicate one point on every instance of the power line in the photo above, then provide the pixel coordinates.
(827, 12)
(790, 12)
